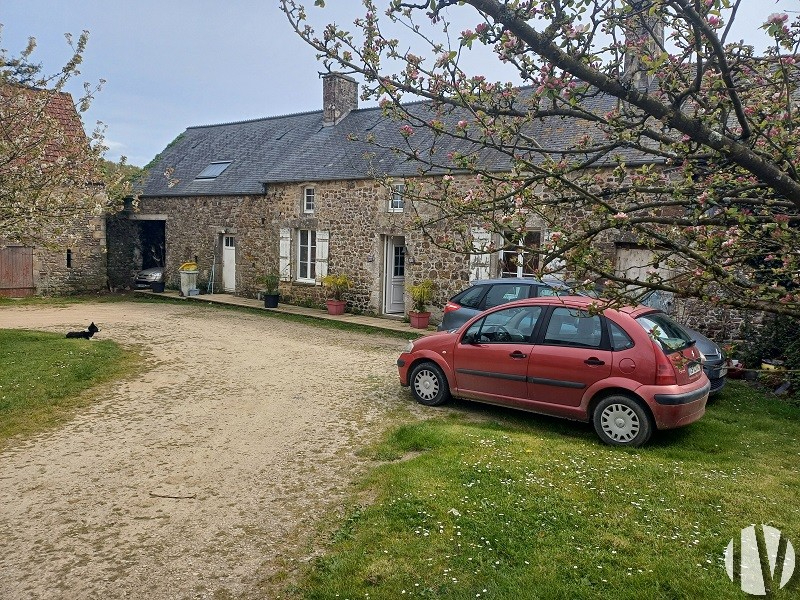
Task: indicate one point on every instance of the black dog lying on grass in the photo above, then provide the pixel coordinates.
(84, 334)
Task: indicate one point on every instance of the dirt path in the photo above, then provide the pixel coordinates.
(252, 423)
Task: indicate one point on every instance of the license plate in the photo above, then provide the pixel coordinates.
(694, 369)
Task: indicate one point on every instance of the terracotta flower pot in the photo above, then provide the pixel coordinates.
(335, 307)
(419, 320)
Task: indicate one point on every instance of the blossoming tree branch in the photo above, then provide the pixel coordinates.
(637, 122)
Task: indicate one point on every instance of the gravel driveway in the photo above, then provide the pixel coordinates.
(203, 476)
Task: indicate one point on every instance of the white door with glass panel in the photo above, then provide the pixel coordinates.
(228, 263)
(395, 287)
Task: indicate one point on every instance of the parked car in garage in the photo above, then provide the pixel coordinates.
(147, 277)
(628, 371)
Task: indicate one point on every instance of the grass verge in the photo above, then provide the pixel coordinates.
(516, 506)
(45, 377)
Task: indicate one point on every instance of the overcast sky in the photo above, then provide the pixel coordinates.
(171, 64)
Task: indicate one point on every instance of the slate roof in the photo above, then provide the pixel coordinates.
(298, 148)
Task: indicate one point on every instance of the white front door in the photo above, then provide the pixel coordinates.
(228, 263)
(395, 278)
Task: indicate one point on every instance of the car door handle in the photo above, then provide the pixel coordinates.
(594, 361)
(518, 354)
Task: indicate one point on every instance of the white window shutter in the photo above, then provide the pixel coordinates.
(284, 255)
(323, 238)
(556, 265)
(479, 260)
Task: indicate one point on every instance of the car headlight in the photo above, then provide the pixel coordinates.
(409, 347)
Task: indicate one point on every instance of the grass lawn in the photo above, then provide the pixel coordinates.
(45, 377)
(488, 503)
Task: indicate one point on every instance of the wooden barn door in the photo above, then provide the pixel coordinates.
(16, 271)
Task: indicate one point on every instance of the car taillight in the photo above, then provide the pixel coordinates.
(451, 306)
(665, 370)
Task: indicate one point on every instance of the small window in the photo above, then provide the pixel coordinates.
(214, 170)
(69, 259)
(397, 201)
(619, 339)
(399, 261)
(309, 197)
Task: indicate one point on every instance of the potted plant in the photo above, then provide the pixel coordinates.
(270, 284)
(421, 296)
(336, 285)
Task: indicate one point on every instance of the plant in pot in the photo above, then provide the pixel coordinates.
(336, 285)
(421, 296)
(269, 283)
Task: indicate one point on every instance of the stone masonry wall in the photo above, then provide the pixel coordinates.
(85, 240)
(355, 213)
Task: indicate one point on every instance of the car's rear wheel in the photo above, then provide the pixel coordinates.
(429, 384)
(622, 421)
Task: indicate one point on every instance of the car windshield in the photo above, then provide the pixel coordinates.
(669, 334)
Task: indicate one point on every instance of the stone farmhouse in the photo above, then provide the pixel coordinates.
(68, 255)
(296, 195)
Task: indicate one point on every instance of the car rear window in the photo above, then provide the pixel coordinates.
(670, 335)
(505, 292)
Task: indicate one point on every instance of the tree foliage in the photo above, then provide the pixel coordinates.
(50, 171)
(629, 120)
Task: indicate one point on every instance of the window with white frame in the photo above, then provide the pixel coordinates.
(309, 198)
(397, 199)
(517, 259)
(303, 255)
(306, 255)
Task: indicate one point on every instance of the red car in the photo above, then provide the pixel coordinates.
(627, 370)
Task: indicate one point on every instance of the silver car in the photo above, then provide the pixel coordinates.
(147, 277)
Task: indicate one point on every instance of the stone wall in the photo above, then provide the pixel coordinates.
(124, 251)
(193, 230)
(74, 261)
(356, 216)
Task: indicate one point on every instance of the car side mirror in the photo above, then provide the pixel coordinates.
(469, 338)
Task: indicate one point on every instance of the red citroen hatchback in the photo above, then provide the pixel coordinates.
(627, 370)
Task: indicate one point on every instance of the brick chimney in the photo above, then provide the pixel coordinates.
(646, 36)
(339, 97)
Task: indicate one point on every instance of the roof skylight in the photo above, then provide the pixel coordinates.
(214, 170)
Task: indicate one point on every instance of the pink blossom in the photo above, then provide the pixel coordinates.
(777, 18)
(407, 130)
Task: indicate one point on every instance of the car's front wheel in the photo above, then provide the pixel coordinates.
(622, 421)
(429, 384)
